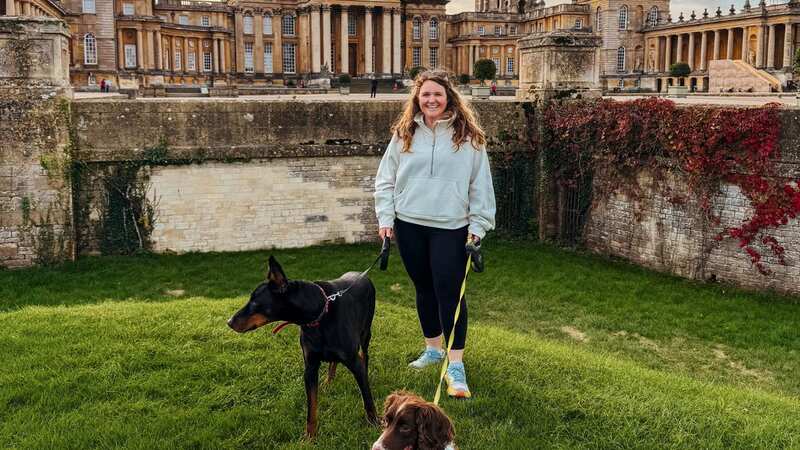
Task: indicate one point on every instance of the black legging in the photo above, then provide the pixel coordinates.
(435, 260)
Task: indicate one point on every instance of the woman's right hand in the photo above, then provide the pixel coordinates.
(384, 232)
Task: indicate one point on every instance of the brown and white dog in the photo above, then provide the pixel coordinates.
(411, 423)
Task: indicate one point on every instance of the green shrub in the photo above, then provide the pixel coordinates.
(485, 70)
(679, 69)
(344, 79)
(463, 78)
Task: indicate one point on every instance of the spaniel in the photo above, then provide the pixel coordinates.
(411, 423)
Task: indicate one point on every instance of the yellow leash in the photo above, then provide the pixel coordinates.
(452, 333)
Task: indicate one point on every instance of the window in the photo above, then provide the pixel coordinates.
(497, 30)
(416, 29)
(481, 31)
(434, 57)
(621, 59)
(496, 62)
(510, 66)
(248, 58)
(288, 57)
(623, 17)
(288, 25)
(598, 20)
(130, 56)
(205, 21)
(513, 29)
(88, 6)
(89, 49)
(191, 64)
(621, 84)
(268, 59)
(652, 16)
(267, 27)
(183, 20)
(578, 24)
(416, 56)
(247, 24)
(207, 62)
(177, 60)
(433, 32)
(351, 25)
(128, 9)
(637, 83)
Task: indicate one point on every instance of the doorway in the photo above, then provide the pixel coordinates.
(352, 62)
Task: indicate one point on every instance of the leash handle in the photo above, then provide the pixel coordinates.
(385, 252)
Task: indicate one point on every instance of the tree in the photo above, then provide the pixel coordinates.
(344, 79)
(463, 79)
(414, 71)
(679, 69)
(484, 70)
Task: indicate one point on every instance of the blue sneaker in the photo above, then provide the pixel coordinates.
(456, 379)
(429, 356)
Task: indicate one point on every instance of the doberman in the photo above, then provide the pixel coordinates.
(332, 330)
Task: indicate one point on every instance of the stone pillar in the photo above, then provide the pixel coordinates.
(690, 58)
(731, 38)
(679, 49)
(277, 46)
(302, 53)
(239, 43)
(258, 44)
(215, 56)
(150, 64)
(368, 56)
(426, 41)
(716, 45)
(26, 8)
(10, 10)
(471, 52)
(397, 68)
(315, 45)
(668, 53)
(759, 47)
(159, 52)
(771, 47)
(386, 42)
(788, 40)
(185, 55)
(326, 37)
(223, 55)
(703, 50)
(120, 49)
(344, 38)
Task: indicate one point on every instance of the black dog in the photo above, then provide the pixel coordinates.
(336, 330)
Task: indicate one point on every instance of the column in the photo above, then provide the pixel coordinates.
(10, 10)
(315, 46)
(185, 55)
(703, 50)
(788, 39)
(759, 47)
(159, 52)
(716, 45)
(657, 57)
(120, 50)
(149, 47)
(691, 52)
(326, 37)
(223, 56)
(258, 44)
(668, 54)
(26, 8)
(397, 67)
(679, 49)
(771, 47)
(471, 52)
(215, 56)
(239, 46)
(277, 45)
(425, 29)
(369, 68)
(731, 38)
(344, 40)
(386, 42)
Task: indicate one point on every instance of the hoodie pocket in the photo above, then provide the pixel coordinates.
(431, 198)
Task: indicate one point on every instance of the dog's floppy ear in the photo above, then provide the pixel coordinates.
(275, 276)
(434, 428)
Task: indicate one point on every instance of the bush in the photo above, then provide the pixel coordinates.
(414, 71)
(679, 69)
(463, 78)
(485, 69)
(344, 79)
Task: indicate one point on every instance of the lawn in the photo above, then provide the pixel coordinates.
(566, 350)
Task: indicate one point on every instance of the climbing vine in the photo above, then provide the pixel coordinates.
(708, 146)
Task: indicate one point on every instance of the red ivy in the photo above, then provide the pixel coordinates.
(711, 146)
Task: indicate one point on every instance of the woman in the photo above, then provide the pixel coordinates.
(433, 191)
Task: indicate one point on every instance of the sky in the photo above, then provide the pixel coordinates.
(457, 6)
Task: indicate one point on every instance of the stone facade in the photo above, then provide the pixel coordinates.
(558, 60)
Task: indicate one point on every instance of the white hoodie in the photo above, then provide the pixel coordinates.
(436, 184)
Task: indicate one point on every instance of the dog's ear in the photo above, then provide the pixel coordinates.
(434, 428)
(275, 276)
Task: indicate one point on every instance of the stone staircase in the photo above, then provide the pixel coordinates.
(727, 75)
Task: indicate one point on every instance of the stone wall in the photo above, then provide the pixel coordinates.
(228, 175)
(35, 193)
(658, 233)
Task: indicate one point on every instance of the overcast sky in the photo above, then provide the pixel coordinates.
(457, 6)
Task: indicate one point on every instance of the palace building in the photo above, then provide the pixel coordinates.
(135, 43)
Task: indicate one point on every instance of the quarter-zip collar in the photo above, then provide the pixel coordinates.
(445, 121)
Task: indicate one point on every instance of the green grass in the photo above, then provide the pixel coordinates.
(565, 350)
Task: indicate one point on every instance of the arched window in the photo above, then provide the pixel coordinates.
(416, 28)
(434, 29)
(621, 59)
(652, 16)
(598, 22)
(623, 17)
(89, 49)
